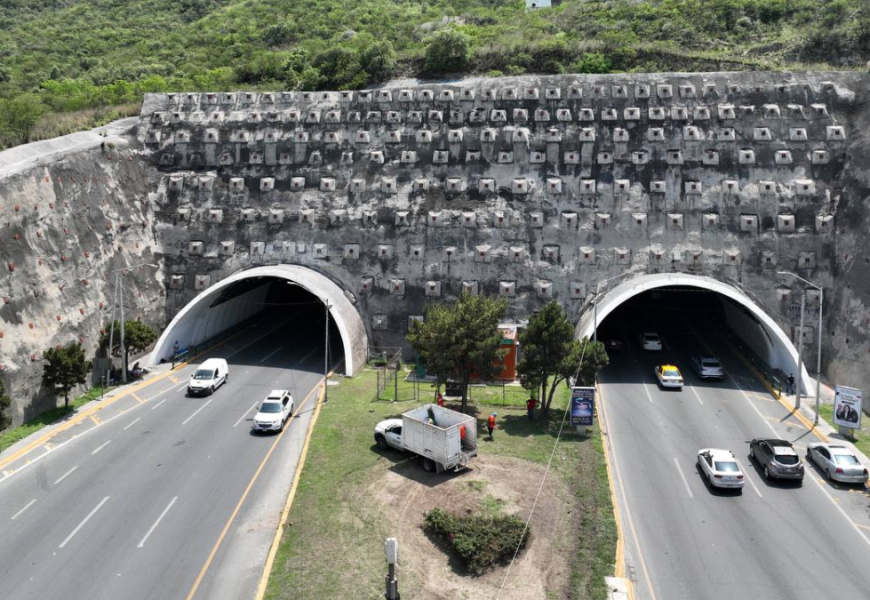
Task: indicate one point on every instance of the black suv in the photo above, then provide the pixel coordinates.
(777, 458)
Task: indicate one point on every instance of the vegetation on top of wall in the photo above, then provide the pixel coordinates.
(74, 56)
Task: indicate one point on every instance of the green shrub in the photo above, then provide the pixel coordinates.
(480, 541)
(378, 60)
(592, 62)
(447, 52)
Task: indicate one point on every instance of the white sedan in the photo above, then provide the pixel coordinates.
(651, 341)
(275, 410)
(720, 468)
(838, 462)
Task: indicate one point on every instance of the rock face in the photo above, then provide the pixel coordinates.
(533, 188)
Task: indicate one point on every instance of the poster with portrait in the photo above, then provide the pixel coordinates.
(847, 407)
(582, 406)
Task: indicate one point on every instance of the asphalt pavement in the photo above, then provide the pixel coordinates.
(685, 540)
(171, 497)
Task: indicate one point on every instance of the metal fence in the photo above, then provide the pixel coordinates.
(391, 385)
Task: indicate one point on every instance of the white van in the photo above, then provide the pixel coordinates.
(208, 377)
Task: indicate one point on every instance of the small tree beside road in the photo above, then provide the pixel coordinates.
(462, 338)
(5, 403)
(551, 355)
(137, 337)
(65, 368)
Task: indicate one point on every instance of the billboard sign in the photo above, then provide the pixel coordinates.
(582, 406)
(847, 407)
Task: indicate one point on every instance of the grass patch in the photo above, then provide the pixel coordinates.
(17, 434)
(331, 515)
(498, 395)
(861, 437)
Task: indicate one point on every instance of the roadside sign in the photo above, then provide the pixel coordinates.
(847, 407)
(582, 406)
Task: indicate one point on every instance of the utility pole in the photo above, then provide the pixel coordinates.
(819, 357)
(797, 401)
(112, 332)
(123, 354)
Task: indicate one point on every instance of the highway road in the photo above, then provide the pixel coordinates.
(134, 506)
(686, 541)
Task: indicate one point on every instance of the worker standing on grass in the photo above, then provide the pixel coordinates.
(531, 403)
(490, 424)
(440, 400)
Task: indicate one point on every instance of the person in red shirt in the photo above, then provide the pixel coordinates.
(490, 424)
(440, 400)
(531, 403)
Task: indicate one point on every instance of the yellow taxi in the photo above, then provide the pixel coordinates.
(669, 376)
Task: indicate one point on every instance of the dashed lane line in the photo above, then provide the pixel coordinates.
(245, 414)
(683, 477)
(65, 475)
(101, 446)
(197, 411)
(156, 523)
(132, 423)
(747, 478)
(272, 353)
(21, 512)
(82, 524)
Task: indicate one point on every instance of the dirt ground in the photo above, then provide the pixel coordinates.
(405, 493)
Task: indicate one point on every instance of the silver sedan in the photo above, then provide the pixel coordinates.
(838, 462)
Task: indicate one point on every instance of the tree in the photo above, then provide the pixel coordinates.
(137, 337)
(447, 52)
(551, 355)
(378, 60)
(5, 403)
(459, 339)
(65, 368)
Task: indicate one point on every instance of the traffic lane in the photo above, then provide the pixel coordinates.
(648, 494)
(140, 453)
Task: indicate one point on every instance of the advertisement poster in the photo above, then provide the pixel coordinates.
(847, 407)
(582, 406)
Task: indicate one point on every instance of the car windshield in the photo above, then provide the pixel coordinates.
(709, 362)
(845, 459)
(651, 337)
(203, 374)
(787, 459)
(270, 407)
(726, 467)
(670, 373)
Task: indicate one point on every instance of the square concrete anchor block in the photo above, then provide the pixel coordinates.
(554, 185)
(237, 184)
(276, 216)
(366, 284)
(577, 290)
(835, 133)
(587, 186)
(602, 220)
(215, 215)
(327, 184)
(544, 288)
(674, 157)
(297, 184)
(550, 253)
(586, 115)
(482, 253)
(351, 252)
(184, 213)
(746, 156)
(537, 158)
(783, 157)
(176, 281)
(394, 117)
(202, 281)
(768, 259)
(731, 257)
(806, 260)
(507, 288)
(571, 157)
(408, 157)
(520, 186)
(710, 221)
(320, 250)
(267, 184)
(804, 187)
(337, 217)
(397, 287)
(749, 223)
(586, 255)
(536, 219)
(604, 158)
(248, 215)
(620, 135)
(258, 248)
(693, 188)
(631, 113)
(227, 248)
(306, 215)
(675, 221)
(389, 185)
(500, 219)
(639, 220)
(762, 134)
(379, 321)
(486, 185)
(563, 115)
(517, 253)
(587, 135)
(437, 218)
(442, 157)
(621, 187)
(639, 157)
(656, 113)
(196, 248)
(469, 219)
(730, 187)
(710, 157)
(820, 157)
(176, 183)
(655, 134)
(421, 184)
(453, 185)
(824, 223)
(622, 256)
(679, 113)
(470, 286)
(417, 252)
(402, 218)
(385, 251)
(433, 289)
(701, 113)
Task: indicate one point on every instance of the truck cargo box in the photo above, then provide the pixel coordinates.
(435, 432)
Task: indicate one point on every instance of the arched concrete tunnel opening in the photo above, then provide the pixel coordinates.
(288, 302)
(694, 316)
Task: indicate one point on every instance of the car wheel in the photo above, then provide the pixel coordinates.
(428, 465)
(752, 453)
(381, 442)
(766, 472)
(211, 390)
(710, 480)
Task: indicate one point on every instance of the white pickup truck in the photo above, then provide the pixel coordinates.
(443, 438)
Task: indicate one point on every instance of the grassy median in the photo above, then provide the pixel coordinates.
(332, 546)
(861, 437)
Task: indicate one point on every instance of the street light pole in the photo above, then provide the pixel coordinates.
(123, 354)
(819, 338)
(797, 398)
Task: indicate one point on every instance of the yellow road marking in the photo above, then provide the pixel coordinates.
(863, 526)
(247, 491)
(96, 420)
(619, 570)
(276, 541)
(137, 398)
(173, 379)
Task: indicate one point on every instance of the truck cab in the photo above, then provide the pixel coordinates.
(388, 434)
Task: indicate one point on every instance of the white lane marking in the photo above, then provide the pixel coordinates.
(156, 523)
(648, 395)
(271, 354)
(746, 477)
(181, 387)
(694, 391)
(246, 414)
(82, 524)
(683, 477)
(197, 411)
(65, 475)
(159, 403)
(20, 512)
(302, 360)
(133, 423)
(101, 447)
(752, 404)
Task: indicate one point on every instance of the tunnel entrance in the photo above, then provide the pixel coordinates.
(291, 297)
(683, 307)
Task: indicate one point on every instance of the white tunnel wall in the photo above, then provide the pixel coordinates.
(754, 335)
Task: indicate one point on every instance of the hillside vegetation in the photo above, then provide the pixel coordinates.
(93, 59)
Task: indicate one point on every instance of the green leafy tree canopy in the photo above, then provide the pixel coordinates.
(5, 403)
(137, 337)
(462, 338)
(449, 51)
(65, 368)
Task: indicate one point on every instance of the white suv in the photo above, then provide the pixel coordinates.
(275, 410)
